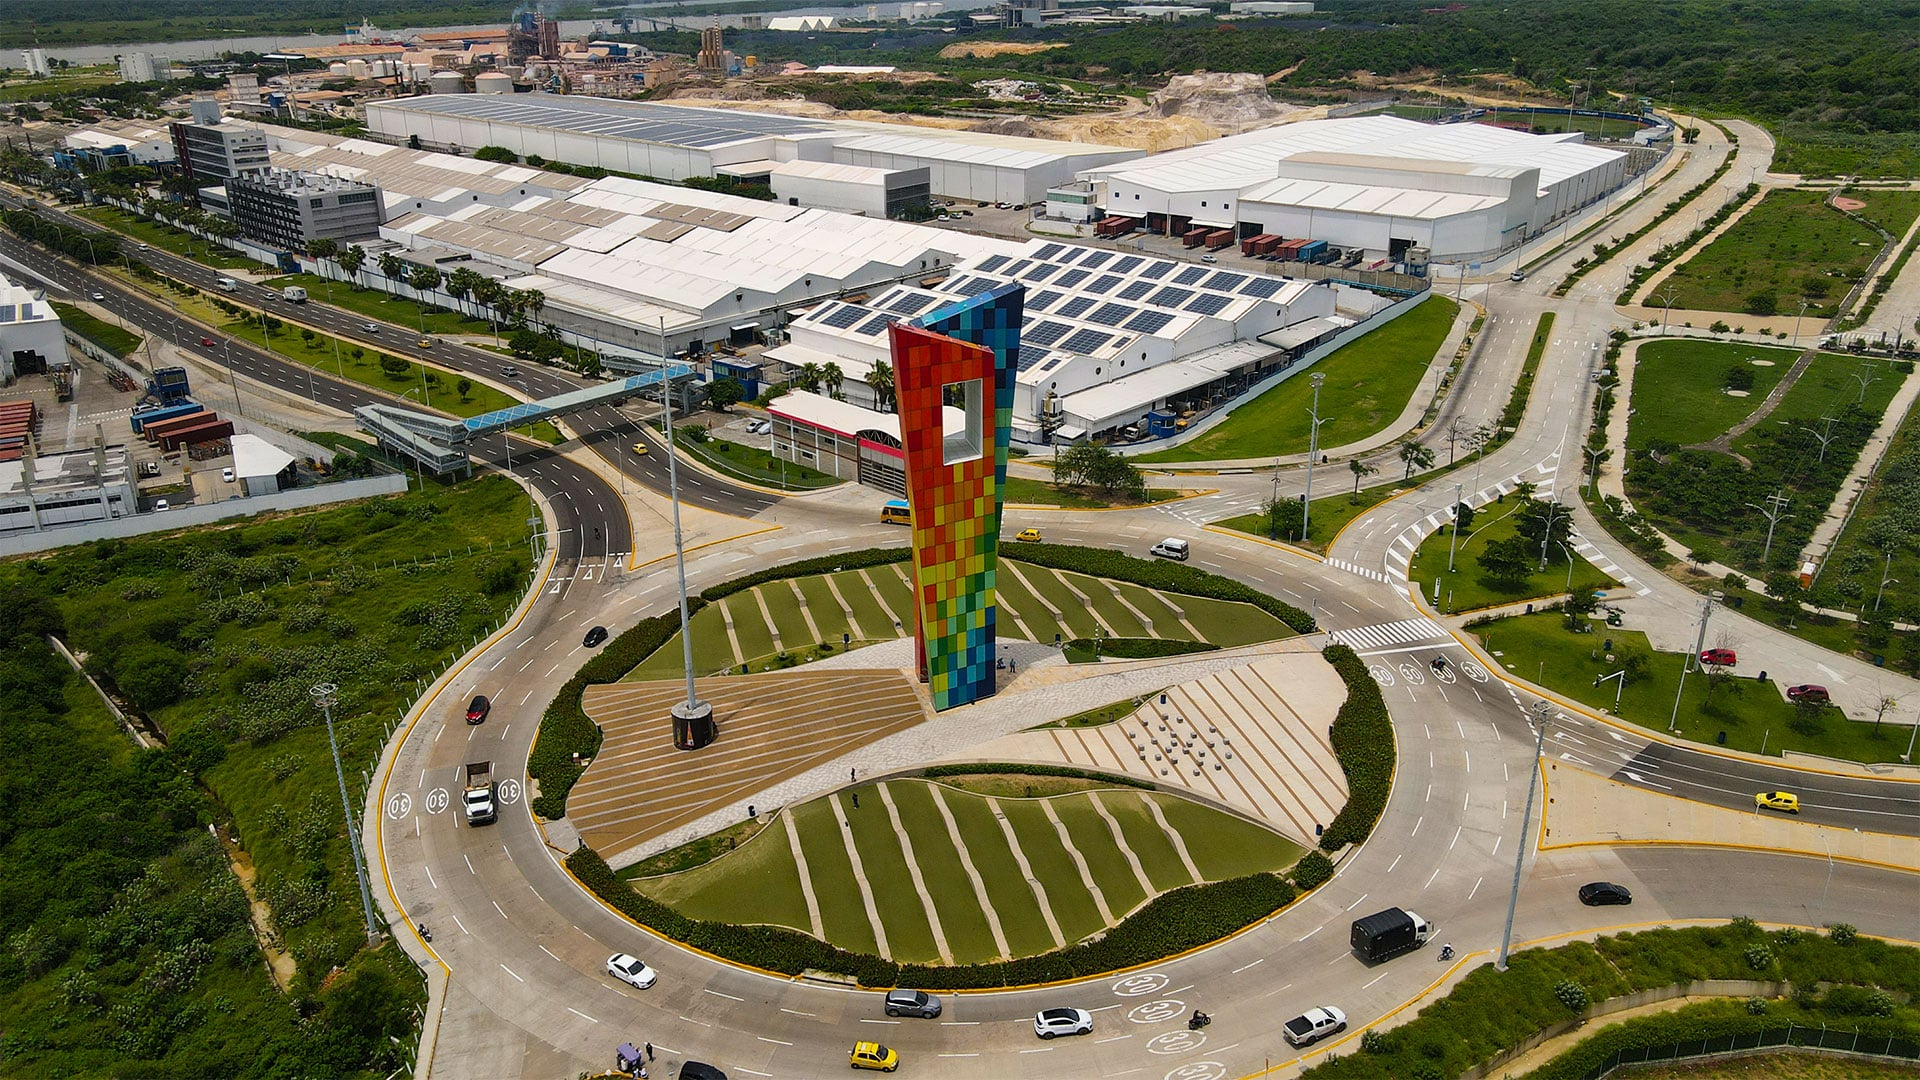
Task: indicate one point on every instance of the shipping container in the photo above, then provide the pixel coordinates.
(206, 432)
(1195, 236)
(1268, 243)
(1289, 251)
(1219, 238)
(155, 430)
(1251, 245)
(142, 417)
(1313, 251)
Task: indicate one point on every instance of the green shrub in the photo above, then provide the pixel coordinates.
(1372, 1042)
(1572, 995)
(825, 564)
(1170, 577)
(1171, 923)
(1363, 741)
(1313, 870)
(1756, 1006)
(1842, 933)
(938, 771)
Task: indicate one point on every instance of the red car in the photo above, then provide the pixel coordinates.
(1719, 657)
(1808, 692)
(208, 342)
(478, 709)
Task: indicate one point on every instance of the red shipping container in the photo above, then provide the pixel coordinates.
(208, 430)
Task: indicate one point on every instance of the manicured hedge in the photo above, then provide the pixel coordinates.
(1136, 648)
(565, 729)
(1490, 1012)
(1363, 741)
(825, 564)
(1174, 577)
(938, 771)
(1171, 923)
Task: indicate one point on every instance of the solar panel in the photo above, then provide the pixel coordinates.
(1077, 307)
(1149, 322)
(1190, 275)
(1050, 251)
(972, 286)
(876, 324)
(911, 303)
(1171, 297)
(1094, 260)
(1104, 283)
(1209, 304)
(1029, 357)
(1014, 270)
(1111, 314)
(1260, 287)
(1046, 333)
(1156, 269)
(1126, 265)
(994, 263)
(1225, 281)
(844, 316)
(1041, 272)
(1073, 277)
(1085, 341)
(1043, 300)
(1136, 289)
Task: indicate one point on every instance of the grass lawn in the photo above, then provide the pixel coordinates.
(755, 465)
(842, 914)
(969, 937)
(1098, 716)
(695, 852)
(1679, 388)
(1783, 1066)
(1225, 849)
(1819, 151)
(1031, 492)
(909, 936)
(1789, 247)
(1466, 588)
(1540, 648)
(1151, 844)
(401, 311)
(1007, 890)
(102, 333)
(1369, 382)
(758, 883)
(167, 238)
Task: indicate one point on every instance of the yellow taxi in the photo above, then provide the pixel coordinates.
(1784, 801)
(639, 448)
(871, 1055)
(425, 343)
(1031, 536)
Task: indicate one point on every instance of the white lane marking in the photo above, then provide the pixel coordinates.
(1244, 967)
(510, 971)
(717, 993)
(580, 1014)
(549, 952)
(776, 1042)
(429, 871)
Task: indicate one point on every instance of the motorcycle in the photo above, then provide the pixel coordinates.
(1198, 1021)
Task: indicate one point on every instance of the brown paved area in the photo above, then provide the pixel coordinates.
(772, 727)
(1252, 737)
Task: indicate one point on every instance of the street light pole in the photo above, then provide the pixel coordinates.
(1886, 579)
(1453, 540)
(327, 695)
(1706, 610)
(1313, 453)
(1540, 712)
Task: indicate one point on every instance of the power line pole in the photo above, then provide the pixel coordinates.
(1313, 453)
(1540, 713)
(1824, 439)
(1453, 541)
(327, 695)
(1773, 512)
(1706, 609)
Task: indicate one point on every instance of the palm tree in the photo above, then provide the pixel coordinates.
(393, 267)
(424, 279)
(880, 379)
(832, 377)
(534, 301)
(459, 284)
(351, 260)
(1360, 470)
(808, 377)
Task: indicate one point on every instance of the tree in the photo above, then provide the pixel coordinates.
(393, 267)
(460, 284)
(307, 336)
(273, 325)
(725, 392)
(1883, 704)
(1285, 516)
(1509, 561)
(393, 365)
(808, 377)
(351, 260)
(152, 676)
(1413, 456)
(1361, 470)
(880, 380)
(1787, 593)
(497, 153)
(323, 248)
(424, 280)
(833, 379)
(463, 386)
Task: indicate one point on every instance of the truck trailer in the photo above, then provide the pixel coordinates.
(1384, 935)
(1219, 238)
(480, 793)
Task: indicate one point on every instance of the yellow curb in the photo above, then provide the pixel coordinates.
(632, 566)
(1281, 545)
(1569, 705)
(1350, 521)
(1054, 508)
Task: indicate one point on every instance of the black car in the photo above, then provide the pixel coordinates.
(595, 636)
(478, 708)
(1604, 892)
(700, 1070)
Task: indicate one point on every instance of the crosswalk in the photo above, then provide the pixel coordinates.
(1607, 566)
(1370, 575)
(1390, 635)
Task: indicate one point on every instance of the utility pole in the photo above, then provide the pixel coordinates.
(1706, 609)
(1823, 438)
(1619, 677)
(1453, 541)
(1777, 503)
(1313, 453)
(1667, 295)
(1540, 713)
(1886, 579)
(1865, 380)
(327, 695)
(1548, 537)
(1593, 465)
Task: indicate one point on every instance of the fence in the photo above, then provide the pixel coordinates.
(1820, 1039)
(1737, 988)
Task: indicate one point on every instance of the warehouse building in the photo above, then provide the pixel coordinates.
(31, 339)
(1378, 184)
(852, 189)
(678, 142)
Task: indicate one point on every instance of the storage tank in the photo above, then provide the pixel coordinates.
(447, 82)
(357, 69)
(492, 82)
(337, 69)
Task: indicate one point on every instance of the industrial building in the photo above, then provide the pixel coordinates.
(289, 209)
(1108, 339)
(1376, 183)
(214, 153)
(38, 491)
(115, 143)
(852, 189)
(677, 142)
(31, 339)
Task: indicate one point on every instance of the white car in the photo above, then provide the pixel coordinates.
(1052, 1022)
(1315, 1024)
(630, 970)
(226, 475)
(1209, 259)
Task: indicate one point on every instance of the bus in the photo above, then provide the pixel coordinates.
(896, 512)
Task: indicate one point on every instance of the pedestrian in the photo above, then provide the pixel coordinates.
(852, 775)
(1013, 666)
(649, 1049)
(856, 800)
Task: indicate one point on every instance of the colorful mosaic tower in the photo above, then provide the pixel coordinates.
(964, 356)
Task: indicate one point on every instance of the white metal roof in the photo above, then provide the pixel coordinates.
(842, 174)
(1365, 199)
(255, 456)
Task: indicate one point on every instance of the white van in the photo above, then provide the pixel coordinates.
(227, 284)
(1170, 548)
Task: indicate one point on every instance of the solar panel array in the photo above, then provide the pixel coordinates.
(1261, 288)
(877, 324)
(844, 316)
(911, 304)
(1041, 301)
(1073, 277)
(1149, 322)
(1110, 314)
(1046, 333)
(1085, 341)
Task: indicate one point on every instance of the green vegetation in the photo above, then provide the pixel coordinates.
(1369, 382)
(402, 312)
(1847, 982)
(1159, 574)
(1472, 585)
(1098, 716)
(1752, 715)
(84, 22)
(1516, 407)
(1792, 247)
(102, 333)
(1088, 650)
(1782, 1065)
(1637, 274)
(132, 948)
(1030, 492)
(751, 463)
(167, 238)
(1681, 388)
(1815, 150)
(1704, 499)
(1363, 742)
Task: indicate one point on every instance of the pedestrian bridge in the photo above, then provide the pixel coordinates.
(442, 443)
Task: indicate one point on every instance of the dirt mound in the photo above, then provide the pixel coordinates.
(1142, 132)
(1010, 125)
(982, 50)
(1220, 99)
